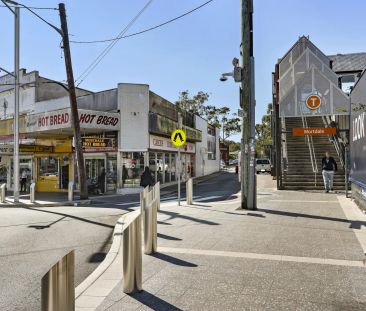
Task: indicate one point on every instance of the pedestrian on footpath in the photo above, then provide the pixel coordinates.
(146, 178)
(329, 166)
(101, 181)
(23, 181)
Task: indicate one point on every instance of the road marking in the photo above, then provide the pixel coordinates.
(207, 198)
(303, 201)
(195, 198)
(314, 260)
(126, 203)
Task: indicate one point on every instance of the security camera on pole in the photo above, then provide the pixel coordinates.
(245, 75)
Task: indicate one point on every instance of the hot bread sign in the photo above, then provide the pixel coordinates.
(60, 119)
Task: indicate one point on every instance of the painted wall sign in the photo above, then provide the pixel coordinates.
(60, 119)
(103, 142)
(163, 143)
(314, 131)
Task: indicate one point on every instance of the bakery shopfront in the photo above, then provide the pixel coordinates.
(47, 153)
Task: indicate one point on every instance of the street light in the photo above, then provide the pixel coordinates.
(16, 13)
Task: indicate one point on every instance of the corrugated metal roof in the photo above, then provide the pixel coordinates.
(348, 62)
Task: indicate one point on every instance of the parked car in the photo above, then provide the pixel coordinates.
(233, 162)
(263, 166)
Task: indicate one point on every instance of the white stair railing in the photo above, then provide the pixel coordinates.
(310, 143)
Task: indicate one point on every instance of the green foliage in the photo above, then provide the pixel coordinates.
(218, 116)
(233, 145)
(195, 104)
(263, 134)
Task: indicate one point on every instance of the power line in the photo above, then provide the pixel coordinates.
(145, 30)
(31, 7)
(109, 47)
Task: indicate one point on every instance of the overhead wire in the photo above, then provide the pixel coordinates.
(145, 30)
(31, 7)
(95, 63)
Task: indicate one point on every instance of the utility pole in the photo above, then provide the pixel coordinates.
(248, 184)
(73, 104)
(16, 103)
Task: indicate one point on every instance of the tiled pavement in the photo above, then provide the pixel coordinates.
(215, 271)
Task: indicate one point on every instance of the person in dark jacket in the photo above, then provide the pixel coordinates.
(101, 181)
(329, 166)
(146, 178)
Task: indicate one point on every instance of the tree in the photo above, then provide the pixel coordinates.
(217, 116)
(195, 104)
(263, 134)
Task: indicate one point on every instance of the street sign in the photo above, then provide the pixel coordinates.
(178, 138)
(313, 102)
(314, 131)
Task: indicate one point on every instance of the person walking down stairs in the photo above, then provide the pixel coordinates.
(329, 166)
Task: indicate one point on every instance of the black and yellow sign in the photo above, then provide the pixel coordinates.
(178, 138)
(102, 142)
(35, 148)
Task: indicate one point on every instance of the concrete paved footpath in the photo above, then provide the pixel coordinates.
(298, 251)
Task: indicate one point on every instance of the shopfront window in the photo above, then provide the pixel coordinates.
(168, 167)
(132, 168)
(111, 174)
(48, 177)
(173, 174)
(153, 165)
(95, 175)
(48, 166)
(3, 174)
(160, 167)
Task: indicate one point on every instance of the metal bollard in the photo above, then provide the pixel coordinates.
(71, 191)
(58, 290)
(157, 194)
(189, 191)
(150, 228)
(32, 194)
(132, 257)
(2, 193)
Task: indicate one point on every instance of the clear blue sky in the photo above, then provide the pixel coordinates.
(188, 54)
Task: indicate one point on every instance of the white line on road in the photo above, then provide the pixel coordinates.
(302, 201)
(323, 261)
(207, 198)
(195, 198)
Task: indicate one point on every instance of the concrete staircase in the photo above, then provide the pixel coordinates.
(299, 174)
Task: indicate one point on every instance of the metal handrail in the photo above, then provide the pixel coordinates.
(284, 146)
(337, 144)
(310, 143)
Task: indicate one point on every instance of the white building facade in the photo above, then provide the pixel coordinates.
(123, 130)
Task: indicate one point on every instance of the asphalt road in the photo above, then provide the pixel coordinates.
(32, 240)
(217, 188)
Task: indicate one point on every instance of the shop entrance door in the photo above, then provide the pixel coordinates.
(96, 175)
